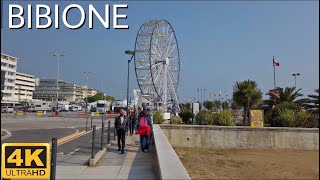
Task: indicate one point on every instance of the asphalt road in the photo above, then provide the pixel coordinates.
(38, 135)
(42, 129)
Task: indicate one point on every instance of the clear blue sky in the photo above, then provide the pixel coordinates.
(220, 43)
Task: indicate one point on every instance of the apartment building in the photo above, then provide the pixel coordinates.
(46, 89)
(88, 92)
(24, 86)
(8, 78)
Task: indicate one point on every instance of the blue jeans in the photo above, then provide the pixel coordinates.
(144, 142)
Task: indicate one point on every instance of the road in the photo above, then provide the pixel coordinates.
(74, 152)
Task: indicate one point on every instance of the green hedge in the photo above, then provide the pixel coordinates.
(223, 118)
(292, 118)
(175, 120)
(157, 117)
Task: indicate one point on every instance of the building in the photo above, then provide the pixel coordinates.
(8, 78)
(46, 89)
(24, 87)
(88, 92)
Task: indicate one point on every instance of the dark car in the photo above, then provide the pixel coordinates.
(93, 109)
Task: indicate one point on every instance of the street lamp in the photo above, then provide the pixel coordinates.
(295, 79)
(87, 78)
(59, 58)
(128, 76)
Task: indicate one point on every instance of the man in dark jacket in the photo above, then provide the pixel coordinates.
(121, 125)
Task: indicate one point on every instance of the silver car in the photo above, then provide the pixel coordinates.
(7, 109)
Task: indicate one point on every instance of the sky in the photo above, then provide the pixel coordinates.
(220, 43)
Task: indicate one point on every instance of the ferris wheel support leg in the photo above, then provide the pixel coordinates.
(165, 88)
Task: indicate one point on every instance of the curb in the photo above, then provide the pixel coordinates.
(98, 156)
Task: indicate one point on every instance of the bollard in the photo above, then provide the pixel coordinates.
(53, 159)
(86, 124)
(91, 123)
(109, 131)
(93, 141)
(102, 131)
(114, 131)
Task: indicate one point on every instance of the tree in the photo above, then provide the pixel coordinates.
(186, 106)
(287, 94)
(208, 104)
(225, 105)
(186, 115)
(98, 96)
(247, 94)
(312, 103)
(217, 104)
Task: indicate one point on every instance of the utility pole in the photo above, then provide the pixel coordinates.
(201, 94)
(295, 79)
(59, 58)
(128, 52)
(87, 79)
(198, 95)
(204, 93)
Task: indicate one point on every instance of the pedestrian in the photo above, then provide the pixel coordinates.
(132, 120)
(121, 126)
(144, 128)
(139, 111)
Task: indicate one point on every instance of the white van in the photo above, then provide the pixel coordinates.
(101, 106)
(42, 106)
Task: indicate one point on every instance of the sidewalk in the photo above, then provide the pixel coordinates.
(132, 165)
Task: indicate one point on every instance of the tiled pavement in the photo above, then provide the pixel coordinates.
(132, 165)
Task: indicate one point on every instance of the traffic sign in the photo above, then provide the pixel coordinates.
(25, 160)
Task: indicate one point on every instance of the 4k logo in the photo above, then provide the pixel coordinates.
(25, 160)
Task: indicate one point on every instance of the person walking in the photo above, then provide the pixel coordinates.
(144, 128)
(121, 126)
(132, 120)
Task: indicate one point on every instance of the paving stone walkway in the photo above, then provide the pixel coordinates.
(132, 165)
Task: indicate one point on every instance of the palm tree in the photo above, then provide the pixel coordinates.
(246, 94)
(287, 94)
(312, 103)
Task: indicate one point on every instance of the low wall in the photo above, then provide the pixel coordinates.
(233, 137)
(169, 165)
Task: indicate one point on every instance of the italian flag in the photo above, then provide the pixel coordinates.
(276, 63)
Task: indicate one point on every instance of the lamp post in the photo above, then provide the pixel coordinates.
(295, 79)
(59, 58)
(87, 78)
(128, 76)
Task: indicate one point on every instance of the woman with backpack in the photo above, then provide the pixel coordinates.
(144, 128)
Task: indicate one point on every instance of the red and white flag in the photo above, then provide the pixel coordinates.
(276, 63)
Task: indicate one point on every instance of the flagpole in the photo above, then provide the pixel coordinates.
(274, 73)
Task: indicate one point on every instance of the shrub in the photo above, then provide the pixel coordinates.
(224, 118)
(306, 119)
(285, 118)
(204, 118)
(175, 120)
(186, 115)
(286, 106)
(157, 117)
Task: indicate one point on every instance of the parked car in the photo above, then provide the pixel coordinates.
(7, 109)
(93, 109)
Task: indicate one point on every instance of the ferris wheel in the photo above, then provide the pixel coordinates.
(157, 62)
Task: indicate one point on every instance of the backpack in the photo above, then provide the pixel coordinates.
(143, 122)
